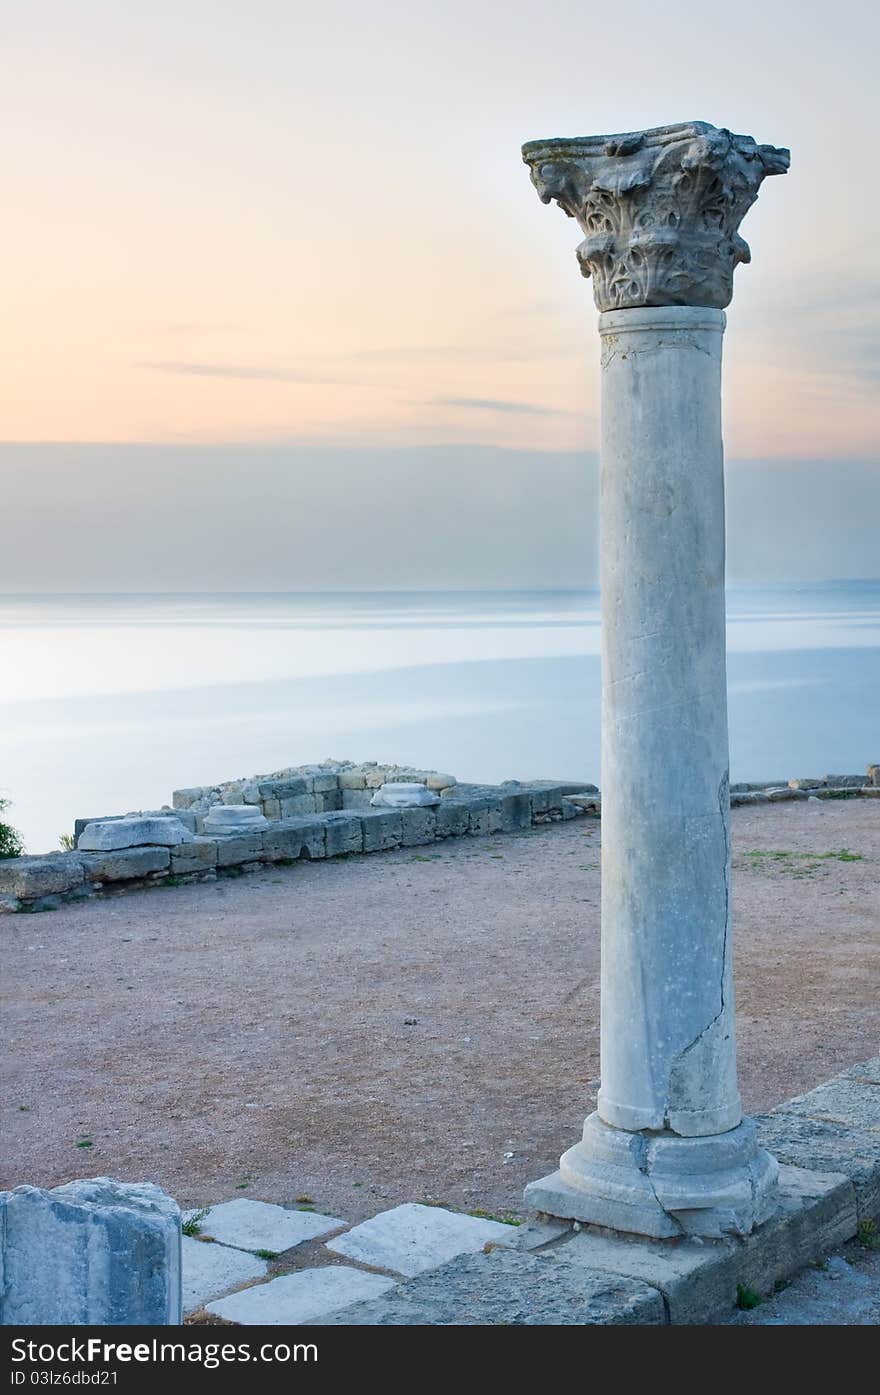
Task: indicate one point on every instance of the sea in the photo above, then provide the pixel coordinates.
(110, 702)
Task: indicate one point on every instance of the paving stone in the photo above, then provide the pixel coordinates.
(851, 1098)
(510, 1288)
(293, 1299)
(412, 1238)
(260, 1225)
(210, 1271)
(821, 1145)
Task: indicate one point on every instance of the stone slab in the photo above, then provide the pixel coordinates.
(210, 1271)
(260, 1225)
(510, 1288)
(126, 864)
(112, 834)
(303, 1297)
(412, 1238)
(851, 1098)
(817, 1211)
(40, 876)
(822, 1145)
(94, 1252)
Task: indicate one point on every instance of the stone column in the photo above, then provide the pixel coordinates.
(667, 1151)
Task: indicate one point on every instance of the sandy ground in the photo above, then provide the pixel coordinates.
(408, 1026)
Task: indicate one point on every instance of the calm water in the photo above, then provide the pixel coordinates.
(108, 703)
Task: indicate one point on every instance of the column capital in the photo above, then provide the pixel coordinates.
(660, 209)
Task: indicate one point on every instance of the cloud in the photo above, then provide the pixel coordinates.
(497, 404)
(232, 370)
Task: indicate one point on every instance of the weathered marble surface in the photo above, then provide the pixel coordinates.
(397, 795)
(112, 834)
(660, 209)
(95, 1252)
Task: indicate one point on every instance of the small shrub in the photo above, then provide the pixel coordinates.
(193, 1226)
(10, 840)
(266, 1254)
(868, 1235)
(747, 1298)
(67, 842)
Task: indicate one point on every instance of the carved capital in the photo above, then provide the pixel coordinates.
(660, 210)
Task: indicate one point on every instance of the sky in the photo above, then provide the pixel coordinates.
(280, 295)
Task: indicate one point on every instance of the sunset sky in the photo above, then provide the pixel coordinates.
(282, 225)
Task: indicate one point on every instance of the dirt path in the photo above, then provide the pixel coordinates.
(417, 1025)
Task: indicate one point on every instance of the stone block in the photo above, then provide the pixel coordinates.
(485, 814)
(412, 1238)
(126, 864)
(198, 856)
(328, 801)
(261, 1225)
(44, 875)
(516, 812)
(344, 833)
(231, 794)
(235, 849)
(302, 1297)
(511, 1289)
(133, 833)
(91, 1253)
(250, 792)
(821, 1145)
(183, 799)
(352, 780)
(419, 826)
(210, 1271)
(816, 1212)
(874, 775)
(289, 839)
(324, 783)
(545, 797)
(436, 781)
(452, 818)
(844, 782)
(296, 805)
(80, 824)
(271, 808)
(383, 829)
(778, 796)
(286, 788)
(356, 799)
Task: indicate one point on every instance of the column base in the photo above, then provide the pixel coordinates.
(661, 1184)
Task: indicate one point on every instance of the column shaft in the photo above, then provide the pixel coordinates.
(668, 1052)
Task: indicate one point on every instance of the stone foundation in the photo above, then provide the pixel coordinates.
(344, 825)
